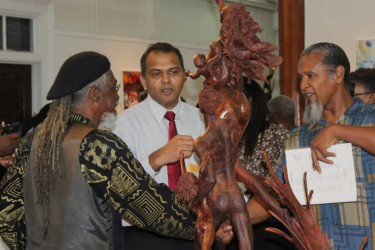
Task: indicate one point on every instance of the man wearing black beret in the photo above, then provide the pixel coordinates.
(70, 176)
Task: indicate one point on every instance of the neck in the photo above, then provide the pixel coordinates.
(95, 119)
(337, 107)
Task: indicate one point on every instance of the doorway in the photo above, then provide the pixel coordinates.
(15, 92)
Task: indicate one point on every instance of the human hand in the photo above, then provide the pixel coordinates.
(8, 143)
(225, 232)
(179, 144)
(6, 161)
(319, 145)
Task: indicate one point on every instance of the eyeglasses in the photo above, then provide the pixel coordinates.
(365, 93)
(115, 87)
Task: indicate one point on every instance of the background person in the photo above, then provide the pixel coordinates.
(262, 135)
(8, 145)
(364, 88)
(281, 110)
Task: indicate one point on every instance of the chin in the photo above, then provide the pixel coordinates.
(108, 121)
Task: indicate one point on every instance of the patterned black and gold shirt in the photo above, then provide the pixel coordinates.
(115, 175)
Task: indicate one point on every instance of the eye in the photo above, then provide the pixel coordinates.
(155, 73)
(299, 78)
(310, 75)
(174, 71)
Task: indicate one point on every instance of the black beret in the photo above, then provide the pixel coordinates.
(77, 72)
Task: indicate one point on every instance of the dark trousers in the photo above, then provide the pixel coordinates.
(137, 239)
(268, 240)
(262, 240)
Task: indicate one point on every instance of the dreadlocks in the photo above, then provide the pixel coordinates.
(48, 144)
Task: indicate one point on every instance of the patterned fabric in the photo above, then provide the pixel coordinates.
(12, 217)
(113, 173)
(346, 223)
(272, 141)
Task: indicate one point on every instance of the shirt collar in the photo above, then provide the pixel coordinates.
(159, 111)
(77, 118)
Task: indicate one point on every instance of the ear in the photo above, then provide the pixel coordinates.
(143, 82)
(94, 94)
(340, 73)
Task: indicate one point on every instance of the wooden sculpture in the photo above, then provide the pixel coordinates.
(226, 111)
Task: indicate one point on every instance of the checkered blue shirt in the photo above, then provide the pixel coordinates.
(345, 223)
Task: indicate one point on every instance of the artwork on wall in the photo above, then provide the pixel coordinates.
(133, 90)
(365, 55)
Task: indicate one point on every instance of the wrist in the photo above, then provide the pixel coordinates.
(154, 161)
(336, 131)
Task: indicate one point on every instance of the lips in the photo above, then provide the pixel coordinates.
(307, 95)
(310, 96)
(167, 91)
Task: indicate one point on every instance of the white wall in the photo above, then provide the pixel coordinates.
(340, 21)
(124, 55)
(122, 30)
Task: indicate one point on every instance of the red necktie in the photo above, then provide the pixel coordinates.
(174, 169)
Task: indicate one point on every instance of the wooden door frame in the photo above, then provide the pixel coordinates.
(292, 43)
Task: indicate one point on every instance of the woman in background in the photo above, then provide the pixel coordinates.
(263, 135)
(260, 134)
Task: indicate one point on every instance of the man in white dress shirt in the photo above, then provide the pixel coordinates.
(144, 129)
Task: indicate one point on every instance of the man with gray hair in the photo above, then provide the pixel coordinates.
(281, 110)
(323, 70)
(70, 176)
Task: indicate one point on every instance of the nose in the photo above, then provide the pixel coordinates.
(304, 83)
(165, 78)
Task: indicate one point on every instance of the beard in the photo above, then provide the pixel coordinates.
(313, 112)
(108, 121)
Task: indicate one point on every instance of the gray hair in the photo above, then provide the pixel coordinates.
(79, 97)
(334, 56)
(282, 109)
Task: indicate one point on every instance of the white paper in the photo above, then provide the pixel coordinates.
(335, 184)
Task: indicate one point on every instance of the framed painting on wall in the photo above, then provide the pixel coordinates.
(365, 54)
(133, 90)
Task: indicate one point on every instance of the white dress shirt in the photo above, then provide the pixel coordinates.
(144, 129)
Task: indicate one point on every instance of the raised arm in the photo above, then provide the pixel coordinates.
(170, 152)
(363, 137)
(114, 174)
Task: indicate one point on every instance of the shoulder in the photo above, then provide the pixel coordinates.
(190, 107)
(360, 113)
(303, 129)
(301, 136)
(131, 118)
(103, 140)
(25, 144)
(360, 108)
(278, 130)
(27, 140)
(137, 110)
(190, 110)
(277, 127)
